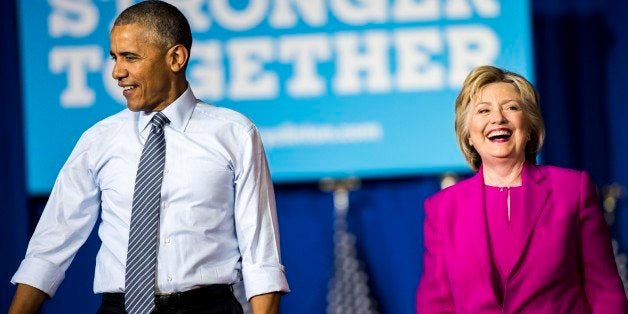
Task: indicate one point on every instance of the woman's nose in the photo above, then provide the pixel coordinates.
(497, 116)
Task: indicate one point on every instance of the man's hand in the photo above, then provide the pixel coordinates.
(27, 299)
(267, 303)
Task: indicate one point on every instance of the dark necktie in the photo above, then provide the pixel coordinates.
(144, 232)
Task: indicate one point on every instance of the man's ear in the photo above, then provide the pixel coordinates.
(178, 57)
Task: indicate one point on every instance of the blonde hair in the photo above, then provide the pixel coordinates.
(478, 79)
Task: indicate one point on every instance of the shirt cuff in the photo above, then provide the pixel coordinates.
(39, 273)
(260, 279)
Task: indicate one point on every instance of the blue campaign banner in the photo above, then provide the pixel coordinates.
(337, 87)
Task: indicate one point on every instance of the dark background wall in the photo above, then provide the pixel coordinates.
(580, 50)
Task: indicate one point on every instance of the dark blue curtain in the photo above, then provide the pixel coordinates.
(581, 74)
(386, 218)
(580, 67)
(14, 222)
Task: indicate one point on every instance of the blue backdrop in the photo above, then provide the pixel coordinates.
(581, 73)
(327, 82)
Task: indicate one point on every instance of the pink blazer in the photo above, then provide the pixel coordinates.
(565, 264)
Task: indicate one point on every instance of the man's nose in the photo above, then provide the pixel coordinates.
(118, 71)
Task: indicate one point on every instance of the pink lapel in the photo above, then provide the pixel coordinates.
(475, 240)
(534, 198)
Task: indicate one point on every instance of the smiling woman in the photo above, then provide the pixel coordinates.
(508, 95)
(497, 127)
(533, 237)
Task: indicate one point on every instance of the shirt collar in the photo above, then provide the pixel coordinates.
(178, 112)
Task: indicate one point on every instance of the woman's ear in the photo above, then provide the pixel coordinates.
(178, 57)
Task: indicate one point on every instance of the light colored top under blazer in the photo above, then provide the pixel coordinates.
(564, 264)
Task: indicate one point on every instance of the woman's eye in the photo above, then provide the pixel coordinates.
(512, 106)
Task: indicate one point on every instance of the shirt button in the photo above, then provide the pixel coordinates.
(169, 278)
(167, 240)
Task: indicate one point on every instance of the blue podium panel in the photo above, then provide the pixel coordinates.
(336, 87)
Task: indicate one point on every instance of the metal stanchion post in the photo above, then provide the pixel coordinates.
(611, 194)
(348, 288)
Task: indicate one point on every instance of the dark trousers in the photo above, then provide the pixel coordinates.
(214, 299)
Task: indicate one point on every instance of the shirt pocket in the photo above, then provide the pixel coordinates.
(209, 196)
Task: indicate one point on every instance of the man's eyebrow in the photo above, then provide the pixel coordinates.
(125, 54)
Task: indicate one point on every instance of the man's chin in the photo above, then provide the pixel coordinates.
(134, 107)
(137, 107)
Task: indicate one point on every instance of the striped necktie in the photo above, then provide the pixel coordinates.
(144, 232)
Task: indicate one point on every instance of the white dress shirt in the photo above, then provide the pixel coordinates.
(217, 223)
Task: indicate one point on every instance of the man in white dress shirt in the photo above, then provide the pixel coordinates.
(217, 219)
